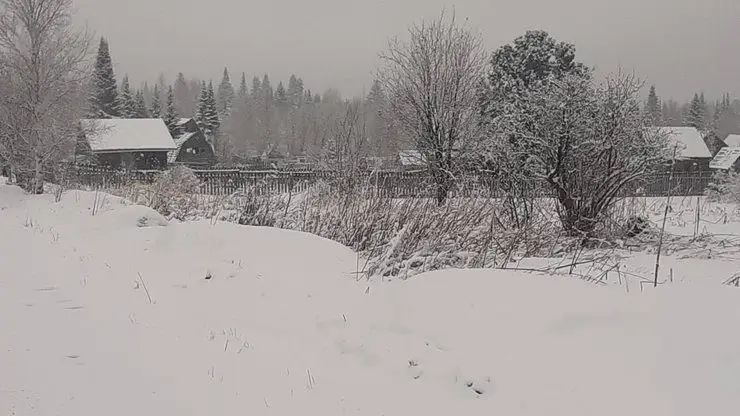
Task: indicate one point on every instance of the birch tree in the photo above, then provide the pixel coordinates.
(44, 78)
(431, 80)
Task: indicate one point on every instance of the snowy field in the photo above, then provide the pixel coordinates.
(106, 308)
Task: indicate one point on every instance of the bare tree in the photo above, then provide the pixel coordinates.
(432, 81)
(44, 75)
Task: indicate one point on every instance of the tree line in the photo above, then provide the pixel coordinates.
(723, 116)
(252, 119)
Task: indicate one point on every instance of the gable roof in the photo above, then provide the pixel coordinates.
(689, 140)
(121, 134)
(733, 140)
(179, 141)
(183, 120)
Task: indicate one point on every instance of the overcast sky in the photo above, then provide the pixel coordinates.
(680, 45)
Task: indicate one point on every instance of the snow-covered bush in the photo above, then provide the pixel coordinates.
(173, 194)
(725, 187)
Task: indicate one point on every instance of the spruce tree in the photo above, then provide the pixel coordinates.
(256, 89)
(201, 107)
(156, 103)
(211, 118)
(281, 96)
(243, 90)
(127, 101)
(225, 97)
(696, 111)
(295, 91)
(267, 92)
(141, 110)
(104, 99)
(182, 94)
(171, 117)
(653, 108)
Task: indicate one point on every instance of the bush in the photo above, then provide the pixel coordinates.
(725, 187)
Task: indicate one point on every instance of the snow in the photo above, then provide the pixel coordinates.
(733, 140)
(110, 135)
(689, 140)
(411, 158)
(106, 308)
(183, 121)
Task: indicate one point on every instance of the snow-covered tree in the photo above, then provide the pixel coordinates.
(281, 96)
(43, 75)
(140, 105)
(211, 117)
(295, 91)
(697, 113)
(256, 89)
(171, 117)
(431, 81)
(126, 100)
(587, 142)
(533, 59)
(104, 99)
(243, 89)
(225, 97)
(156, 110)
(653, 108)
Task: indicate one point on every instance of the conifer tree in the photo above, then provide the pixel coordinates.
(171, 117)
(104, 99)
(140, 105)
(182, 94)
(295, 91)
(200, 108)
(653, 108)
(156, 103)
(281, 96)
(225, 97)
(212, 117)
(266, 87)
(696, 113)
(243, 90)
(256, 89)
(127, 101)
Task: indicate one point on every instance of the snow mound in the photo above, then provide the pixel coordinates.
(99, 315)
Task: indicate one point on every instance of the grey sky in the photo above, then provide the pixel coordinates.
(681, 45)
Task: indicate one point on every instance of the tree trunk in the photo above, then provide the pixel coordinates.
(37, 184)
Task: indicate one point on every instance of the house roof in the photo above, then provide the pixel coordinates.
(733, 140)
(689, 140)
(411, 158)
(119, 134)
(182, 121)
(179, 141)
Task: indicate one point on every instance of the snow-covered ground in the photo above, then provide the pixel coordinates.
(106, 308)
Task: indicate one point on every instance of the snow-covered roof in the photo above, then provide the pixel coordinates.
(733, 140)
(182, 121)
(690, 142)
(411, 158)
(120, 134)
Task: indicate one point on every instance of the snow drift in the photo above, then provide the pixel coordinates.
(123, 313)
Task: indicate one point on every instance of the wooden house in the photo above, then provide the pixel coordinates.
(733, 140)
(192, 147)
(132, 144)
(694, 150)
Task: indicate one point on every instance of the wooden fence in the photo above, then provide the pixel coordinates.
(387, 184)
